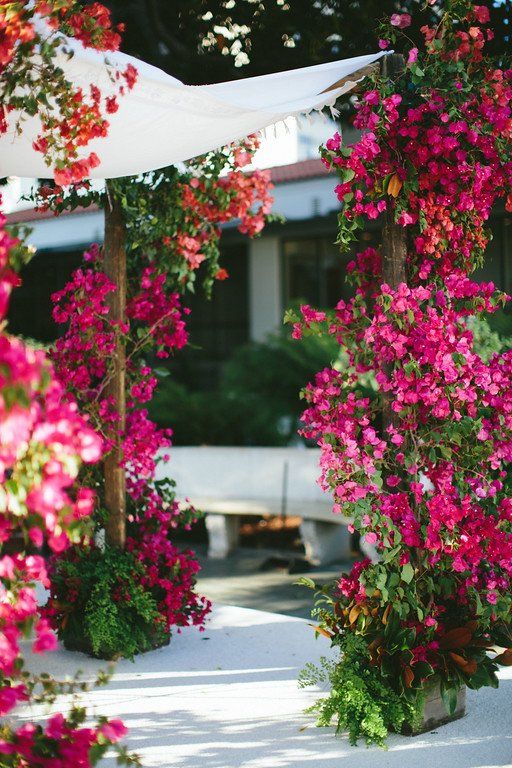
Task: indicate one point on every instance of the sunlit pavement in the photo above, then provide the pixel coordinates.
(228, 698)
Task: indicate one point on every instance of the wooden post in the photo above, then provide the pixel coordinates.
(115, 268)
(394, 236)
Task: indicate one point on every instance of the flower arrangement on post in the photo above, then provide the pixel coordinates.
(172, 226)
(422, 469)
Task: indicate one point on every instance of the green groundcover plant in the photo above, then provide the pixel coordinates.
(104, 608)
(422, 468)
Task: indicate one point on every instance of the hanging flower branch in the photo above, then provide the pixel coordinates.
(33, 84)
(429, 487)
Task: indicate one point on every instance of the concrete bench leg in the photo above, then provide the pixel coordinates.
(222, 534)
(325, 542)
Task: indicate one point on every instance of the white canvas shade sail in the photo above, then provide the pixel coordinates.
(162, 121)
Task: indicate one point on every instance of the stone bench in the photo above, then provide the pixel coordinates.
(227, 483)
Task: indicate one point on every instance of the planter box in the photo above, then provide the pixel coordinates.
(81, 644)
(434, 712)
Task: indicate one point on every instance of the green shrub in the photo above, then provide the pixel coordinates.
(488, 341)
(257, 401)
(359, 700)
(103, 609)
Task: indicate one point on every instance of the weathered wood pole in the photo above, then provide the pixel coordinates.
(115, 268)
(394, 237)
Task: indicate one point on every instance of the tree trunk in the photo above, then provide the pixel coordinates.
(115, 268)
(394, 252)
(394, 237)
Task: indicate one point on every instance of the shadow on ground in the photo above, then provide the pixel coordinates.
(228, 698)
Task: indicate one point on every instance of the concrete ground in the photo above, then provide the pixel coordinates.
(239, 580)
(228, 698)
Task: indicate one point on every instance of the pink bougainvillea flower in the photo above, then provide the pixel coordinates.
(412, 56)
(401, 20)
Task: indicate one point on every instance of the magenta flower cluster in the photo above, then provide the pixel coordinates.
(155, 326)
(83, 359)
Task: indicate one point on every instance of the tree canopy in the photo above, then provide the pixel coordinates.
(202, 41)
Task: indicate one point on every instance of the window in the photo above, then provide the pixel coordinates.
(30, 310)
(496, 265)
(217, 326)
(315, 271)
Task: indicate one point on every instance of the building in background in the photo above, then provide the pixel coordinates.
(291, 262)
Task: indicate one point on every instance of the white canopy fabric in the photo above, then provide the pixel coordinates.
(162, 121)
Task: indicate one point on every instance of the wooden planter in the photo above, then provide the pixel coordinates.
(434, 712)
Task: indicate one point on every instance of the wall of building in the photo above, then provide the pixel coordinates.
(67, 232)
(265, 303)
(306, 198)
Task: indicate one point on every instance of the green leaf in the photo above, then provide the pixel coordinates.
(347, 174)
(483, 677)
(390, 554)
(381, 580)
(407, 573)
(305, 581)
(449, 697)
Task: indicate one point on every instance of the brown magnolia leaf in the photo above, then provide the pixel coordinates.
(455, 638)
(482, 643)
(471, 667)
(505, 658)
(322, 631)
(385, 615)
(467, 665)
(459, 660)
(354, 613)
(408, 676)
(375, 643)
(394, 186)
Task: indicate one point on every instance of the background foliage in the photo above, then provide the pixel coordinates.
(200, 41)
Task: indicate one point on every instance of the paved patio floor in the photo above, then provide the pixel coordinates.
(228, 698)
